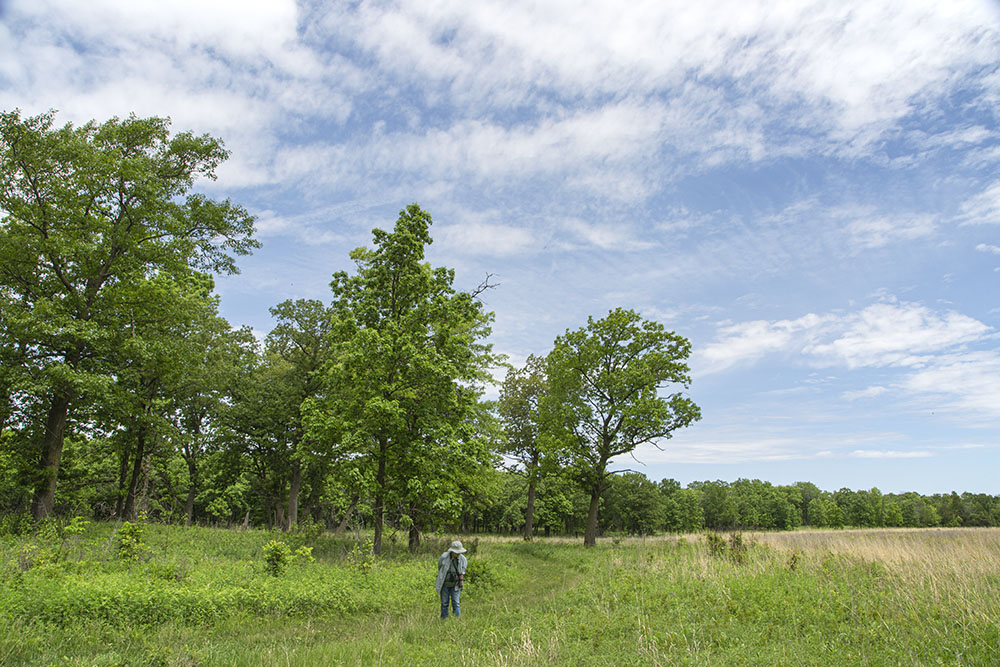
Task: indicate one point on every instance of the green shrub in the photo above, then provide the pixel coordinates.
(16, 525)
(716, 545)
(362, 556)
(737, 548)
(277, 555)
(482, 575)
(131, 548)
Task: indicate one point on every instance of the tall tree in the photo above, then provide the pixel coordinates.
(301, 338)
(603, 399)
(406, 361)
(520, 394)
(86, 212)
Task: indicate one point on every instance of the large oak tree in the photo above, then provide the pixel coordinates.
(604, 400)
(88, 215)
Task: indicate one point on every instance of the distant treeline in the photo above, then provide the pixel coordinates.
(631, 505)
(636, 505)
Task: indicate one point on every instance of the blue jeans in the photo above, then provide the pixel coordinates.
(449, 593)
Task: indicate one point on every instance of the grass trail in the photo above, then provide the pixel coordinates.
(494, 628)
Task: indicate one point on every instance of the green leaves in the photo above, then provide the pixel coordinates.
(603, 399)
(405, 363)
(98, 233)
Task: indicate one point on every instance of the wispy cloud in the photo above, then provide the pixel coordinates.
(983, 208)
(890, 454)
(868, 392)
(932, 354)
(883, 334)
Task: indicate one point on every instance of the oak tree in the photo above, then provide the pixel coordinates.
(604, 399)
(88, 214)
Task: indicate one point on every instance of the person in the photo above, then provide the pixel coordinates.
(451, 572)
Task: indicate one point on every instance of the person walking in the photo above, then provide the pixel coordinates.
(451, 572)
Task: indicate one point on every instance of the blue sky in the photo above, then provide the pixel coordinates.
(809, 191)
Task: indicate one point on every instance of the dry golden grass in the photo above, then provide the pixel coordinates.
(938, 550)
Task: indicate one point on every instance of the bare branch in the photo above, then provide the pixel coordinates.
(483, 286)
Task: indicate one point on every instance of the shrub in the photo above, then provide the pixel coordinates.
(362, 557)
(276, 557)
(737, 548)
(481, 574)
(130, 546)
(716, 545)
(16, 524)
(304, 554)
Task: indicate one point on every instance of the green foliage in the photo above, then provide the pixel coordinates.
(603, 397)
(716, 545)
(736, 549)
(482, 575)
(16, 524)
(131, 548)
(99, 235)
(401, 389)
(277, 555)
(362, 556)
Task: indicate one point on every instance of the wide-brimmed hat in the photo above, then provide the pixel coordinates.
(456, 547)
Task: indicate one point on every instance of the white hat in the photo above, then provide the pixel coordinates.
(456, 547)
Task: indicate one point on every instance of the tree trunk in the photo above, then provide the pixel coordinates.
(590, 537)
(380, 497)
(529, 512)
(294, 486)
(122, 480)
(147, 467)
(189, 506)
(52, 446)
(192, 490)
(189, 452)
(128, 512)
(414, 541)
(342, 526)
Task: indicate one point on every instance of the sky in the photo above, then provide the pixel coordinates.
(807, 190)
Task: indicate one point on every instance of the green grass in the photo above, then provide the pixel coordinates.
(202, 597)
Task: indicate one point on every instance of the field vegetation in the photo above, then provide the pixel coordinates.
(149, 594)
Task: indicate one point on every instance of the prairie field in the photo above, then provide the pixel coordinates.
(167, 595)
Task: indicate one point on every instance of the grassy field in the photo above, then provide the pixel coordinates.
(197, 596)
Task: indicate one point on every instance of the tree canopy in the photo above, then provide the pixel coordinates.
(90, 216)
(603, 398)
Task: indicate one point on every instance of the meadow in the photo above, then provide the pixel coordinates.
(98, 594)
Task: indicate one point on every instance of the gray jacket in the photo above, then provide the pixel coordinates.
(444, 562)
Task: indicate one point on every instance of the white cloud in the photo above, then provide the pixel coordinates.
(610, 99)
(965, 382)
(747, 443)
(605, 237)
(877, 231)
(886, 334)
(890, 454)
(984, 247)
(481, 238)
(883, 334)
(869, 392)
(983, 208)
(931, 353)
(852, 67)
(747, 342)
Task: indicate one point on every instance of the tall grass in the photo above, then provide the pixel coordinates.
(809, 598)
